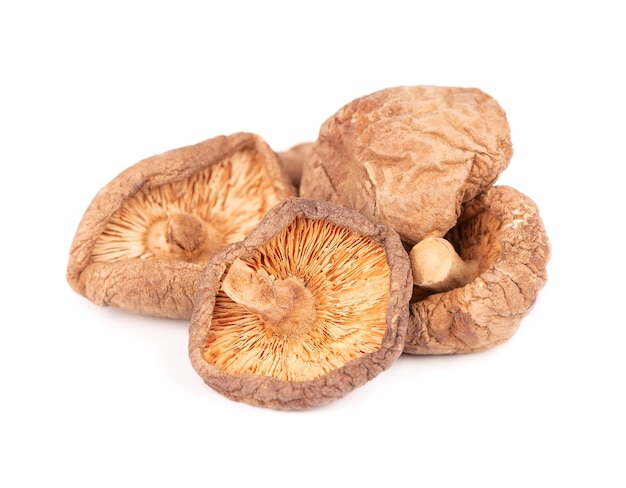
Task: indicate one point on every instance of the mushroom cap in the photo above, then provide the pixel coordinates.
(358, 275)
(409, 156)
(144, 239)
(502, 230)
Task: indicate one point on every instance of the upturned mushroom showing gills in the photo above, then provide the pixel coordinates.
(144, 239)
(310, 305)
(473, 290)
(410, 156)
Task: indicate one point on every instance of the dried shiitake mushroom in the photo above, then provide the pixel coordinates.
(410, 156)
(310, 305)
(146, 236)
(475, 288)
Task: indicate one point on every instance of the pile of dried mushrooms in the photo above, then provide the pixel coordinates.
(305, 273)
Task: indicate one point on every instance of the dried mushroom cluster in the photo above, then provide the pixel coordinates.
(306, 273)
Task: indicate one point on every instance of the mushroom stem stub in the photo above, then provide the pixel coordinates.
(287, 306)
(185, 232)
(437, 267)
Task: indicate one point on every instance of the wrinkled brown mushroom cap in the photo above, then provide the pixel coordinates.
(144, 239)
(358, 276)
(410, 156)
(503, 231)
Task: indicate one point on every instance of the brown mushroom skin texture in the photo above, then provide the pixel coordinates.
(396, 152)
(502, 229)
(271, 392)
(157, 287)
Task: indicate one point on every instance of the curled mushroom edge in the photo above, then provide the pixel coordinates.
(486, 279)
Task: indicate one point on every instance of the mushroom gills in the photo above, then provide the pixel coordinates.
(189, 219)
(309, 301)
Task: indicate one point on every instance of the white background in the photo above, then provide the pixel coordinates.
(98, 397)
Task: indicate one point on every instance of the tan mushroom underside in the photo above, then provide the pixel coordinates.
(500, 229)
(348, 278)
(358, 276)
(190, 219)
(143, 241)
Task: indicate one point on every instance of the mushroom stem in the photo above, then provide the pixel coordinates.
(286, 306)
(437, 267)
(185, 232)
